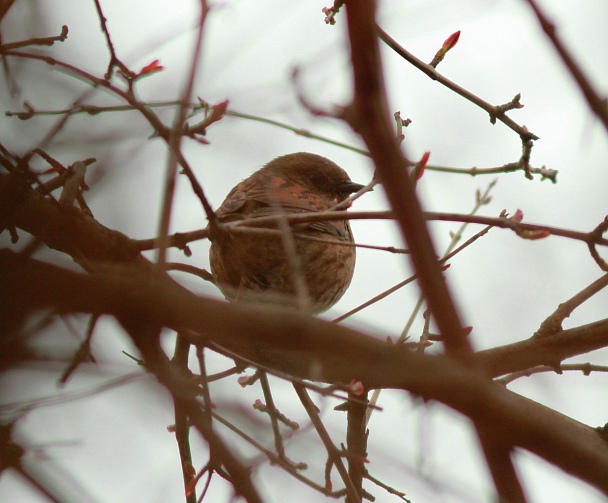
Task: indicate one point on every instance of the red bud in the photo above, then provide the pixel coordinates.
(451, 41)
(151, 68)
(420, 165)
(218, 111)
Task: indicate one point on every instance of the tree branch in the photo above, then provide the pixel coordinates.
(323, 351)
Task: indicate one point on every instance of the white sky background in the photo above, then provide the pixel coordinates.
(115, 443)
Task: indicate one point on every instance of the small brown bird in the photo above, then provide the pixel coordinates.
(285, 267)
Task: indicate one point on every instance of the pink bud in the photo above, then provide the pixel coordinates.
(450, 42)
(244, 381)
(517, 217)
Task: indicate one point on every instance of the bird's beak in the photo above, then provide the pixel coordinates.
(350, 187)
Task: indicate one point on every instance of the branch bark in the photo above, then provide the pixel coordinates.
(324, 351)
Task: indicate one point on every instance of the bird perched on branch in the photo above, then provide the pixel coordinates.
(310, 265)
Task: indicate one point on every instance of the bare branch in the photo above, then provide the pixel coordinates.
(514, 420)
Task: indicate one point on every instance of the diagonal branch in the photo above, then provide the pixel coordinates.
(432, 72)
(26, 284)
(368, 115)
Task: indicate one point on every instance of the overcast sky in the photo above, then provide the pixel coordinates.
(503, 285)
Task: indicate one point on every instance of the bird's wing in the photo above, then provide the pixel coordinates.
(259, 197)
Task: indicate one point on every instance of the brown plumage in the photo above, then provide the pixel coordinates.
(256, 267)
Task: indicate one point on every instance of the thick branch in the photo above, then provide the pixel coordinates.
(549, 350)
(63, 228)
(333, 353)
(369, 116)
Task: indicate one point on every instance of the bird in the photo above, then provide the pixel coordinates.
(282, 266)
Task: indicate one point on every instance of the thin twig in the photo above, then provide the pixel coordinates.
(184, 394)
(37, 41)
(272, 412)
(190, 269)
(149, 115)
(481, 200)
(334, 454)
(182, 426)
(492, 110)
(511, 167)
(83, 353)
(174, 141)
(273, 458)
(387, 488)
(325, 391)
(553, 323)
(114, 60)
(179, 239)
(585, 368)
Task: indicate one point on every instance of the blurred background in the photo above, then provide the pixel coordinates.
(103, 436)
